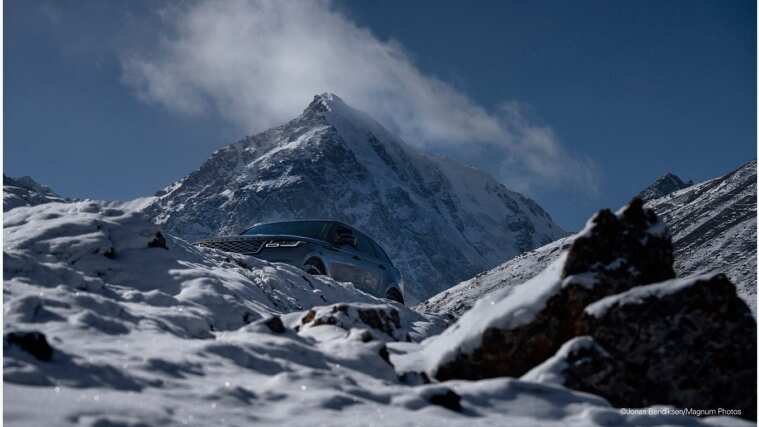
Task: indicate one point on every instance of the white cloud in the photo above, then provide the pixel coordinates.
(259, 62)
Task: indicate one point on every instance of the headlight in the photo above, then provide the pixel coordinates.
(283, 243)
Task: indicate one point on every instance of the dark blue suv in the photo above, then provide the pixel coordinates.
(325, 247)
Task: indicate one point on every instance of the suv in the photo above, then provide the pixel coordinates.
(320, 247)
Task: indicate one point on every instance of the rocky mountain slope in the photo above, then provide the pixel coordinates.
(607, 316)
(439, 221)
(713, 227)
(25, 191)
(110, 321)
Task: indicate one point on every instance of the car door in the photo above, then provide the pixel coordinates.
(351, 261)
(368, 265)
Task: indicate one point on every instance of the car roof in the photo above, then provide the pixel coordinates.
(334, 221)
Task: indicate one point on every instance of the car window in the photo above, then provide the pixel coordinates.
(341, 235)
(312, 229)
(365, 244)
(381, 255)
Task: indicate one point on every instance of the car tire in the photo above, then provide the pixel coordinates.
(395, 295)
(314, 267)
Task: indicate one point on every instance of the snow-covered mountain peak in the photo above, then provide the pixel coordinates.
(334, 161)
(325, 102)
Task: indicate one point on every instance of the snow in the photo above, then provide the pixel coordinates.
(159, 332)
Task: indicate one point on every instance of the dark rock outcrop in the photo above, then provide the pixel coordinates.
(32, 342)
(690, 343)
(158, 241)
(24, 191)
(446, 398)
(383, 319)
(614, 253)
(275, 325)
(581, 364)
(663, 185)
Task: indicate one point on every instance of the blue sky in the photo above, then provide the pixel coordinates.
(578, 104)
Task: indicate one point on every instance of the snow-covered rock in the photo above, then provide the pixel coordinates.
(513, 330)
(110, 321)
(374, 321)
(663, 185)
(25, 191)
(687, 342)
(440, 222)
(579, 362)
(713, 228)
(690, 343)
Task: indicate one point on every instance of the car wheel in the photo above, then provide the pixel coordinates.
(395, 295)
(314, 267)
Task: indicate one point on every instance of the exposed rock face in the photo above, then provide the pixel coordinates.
(384, 320)
(446, 398)
(663, 185)
(614, 253)
(581, 364)
(34, 343)
(25, 191)
(690, 343)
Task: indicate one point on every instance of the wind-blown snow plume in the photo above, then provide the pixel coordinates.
(255, 62)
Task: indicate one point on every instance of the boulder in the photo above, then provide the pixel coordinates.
(690, 343)
(514, 330)
(581, 364)
(32, 342)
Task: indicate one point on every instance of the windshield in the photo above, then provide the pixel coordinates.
(312, 229)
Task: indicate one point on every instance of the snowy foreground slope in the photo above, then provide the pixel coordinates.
(440, 222)
(137, 328)
(713, 227)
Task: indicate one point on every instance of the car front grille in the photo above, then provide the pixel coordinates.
(234, 244)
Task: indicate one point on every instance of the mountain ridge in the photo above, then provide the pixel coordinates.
(662, 186)
(713, 226)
